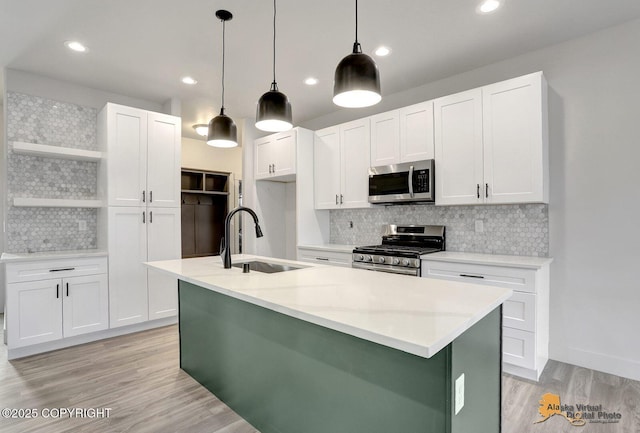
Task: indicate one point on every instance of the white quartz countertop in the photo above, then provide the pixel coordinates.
(489, 259)
(416, 315)
(50, 255)
(338, 248)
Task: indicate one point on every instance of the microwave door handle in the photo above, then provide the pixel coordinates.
(411, 181)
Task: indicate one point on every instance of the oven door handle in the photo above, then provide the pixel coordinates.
(411, 181)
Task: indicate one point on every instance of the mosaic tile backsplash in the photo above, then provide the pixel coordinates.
(33, 119)
(521, 230)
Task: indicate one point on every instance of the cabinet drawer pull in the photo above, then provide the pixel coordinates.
(57, 291)
(62, 269)
(324, 259)
(471, 276)
(67, 289)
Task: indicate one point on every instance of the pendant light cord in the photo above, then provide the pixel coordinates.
(274, 85)
(356, 45)
(223, 46)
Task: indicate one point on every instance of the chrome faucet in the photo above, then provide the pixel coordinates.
(225, 251)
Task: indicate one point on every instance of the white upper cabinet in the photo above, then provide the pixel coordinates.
(385, 138)
(163, 160)
(491, 144)
(354, 177)
(143, 157)
(515, 140)
(275, 156)
(326, 160)
(458, 151)
(341, 166)
(403, 135)
(416, 132)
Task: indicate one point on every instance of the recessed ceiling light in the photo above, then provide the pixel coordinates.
(76, 46)
(189, 80)
(383, 51)
(311, 81)
(488, 6)
(201, 129)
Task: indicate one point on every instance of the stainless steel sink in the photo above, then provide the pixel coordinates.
(267, 268)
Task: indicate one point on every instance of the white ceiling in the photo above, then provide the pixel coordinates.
(142, 48)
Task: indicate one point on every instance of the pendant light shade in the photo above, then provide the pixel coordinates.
(356, 81)
(273, 113)
(222, 129)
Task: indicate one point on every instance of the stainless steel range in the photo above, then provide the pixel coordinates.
(401, 249)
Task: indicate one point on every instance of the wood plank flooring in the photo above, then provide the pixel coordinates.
(137, 376)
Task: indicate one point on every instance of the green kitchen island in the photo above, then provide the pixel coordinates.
(325, 349)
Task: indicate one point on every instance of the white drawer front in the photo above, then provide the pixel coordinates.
(519, 311)
(46, 269)
(325, 257)
(518, 347)
(522, 280)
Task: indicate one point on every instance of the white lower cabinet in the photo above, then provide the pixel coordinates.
(325, 256)
(41, 310)
(525, 316)
(137, 235)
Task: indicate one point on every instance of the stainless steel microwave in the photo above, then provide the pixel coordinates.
(402, 183)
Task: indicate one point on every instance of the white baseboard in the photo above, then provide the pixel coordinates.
(618, 366)
(20, 352)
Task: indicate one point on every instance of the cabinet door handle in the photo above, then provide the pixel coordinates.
(336, 198)
(478, 190)
(274, 168)
(143, 196)
(150, 196)
(471, 276)
(143, 218)
(324, 259)
(341, 197)
(486, 190)
(67, 290)
(150, 216)
(61, 269)
(57, 291)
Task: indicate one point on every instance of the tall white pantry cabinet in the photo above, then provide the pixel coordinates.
(142, 181)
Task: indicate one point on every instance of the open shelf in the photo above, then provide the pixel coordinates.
(197, 191)
(45, 150)
(55, 202)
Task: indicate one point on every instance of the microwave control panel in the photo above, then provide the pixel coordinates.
(421, 181)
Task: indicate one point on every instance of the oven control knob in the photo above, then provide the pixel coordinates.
(396, 261)
(368, 258)
(381, 259)
(405, 262)
(361, 257)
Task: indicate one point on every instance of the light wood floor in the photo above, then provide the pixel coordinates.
(137, 376)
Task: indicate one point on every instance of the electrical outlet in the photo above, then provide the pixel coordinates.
(479, 226)
(82, 225)
(459, 398)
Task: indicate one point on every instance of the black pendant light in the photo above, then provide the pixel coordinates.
(222, 130)
(357, 81)
(274, 110)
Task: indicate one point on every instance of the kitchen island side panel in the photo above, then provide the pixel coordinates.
(286, 375)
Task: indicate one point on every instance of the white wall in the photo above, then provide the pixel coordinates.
(2, 197)
(595, 188)
(38, 85)
(197, 154)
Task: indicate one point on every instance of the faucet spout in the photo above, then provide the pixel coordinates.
(225, 251)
